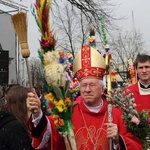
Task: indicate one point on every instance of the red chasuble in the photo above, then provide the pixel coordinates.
(142, 101)
(90, 131)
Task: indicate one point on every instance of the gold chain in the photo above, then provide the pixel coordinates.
(94, 144)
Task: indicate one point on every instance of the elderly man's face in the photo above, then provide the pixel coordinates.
(91, 91)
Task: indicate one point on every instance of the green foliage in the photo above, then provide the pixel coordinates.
(142, 129)
(41, 58)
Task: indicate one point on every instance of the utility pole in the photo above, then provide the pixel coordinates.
(133, 30)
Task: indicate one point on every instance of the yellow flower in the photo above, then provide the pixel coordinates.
(49, 97)
(58, 121)
(60, 106)
(68, 101)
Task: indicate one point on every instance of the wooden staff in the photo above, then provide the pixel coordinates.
(19, 21)
(108, 75)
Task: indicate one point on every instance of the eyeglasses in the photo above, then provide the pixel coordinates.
(91, 85)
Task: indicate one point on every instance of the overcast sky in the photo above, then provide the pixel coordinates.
(140, 10)
(141, 19)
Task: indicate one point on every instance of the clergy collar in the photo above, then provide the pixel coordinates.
(144, 86)
(143, 91)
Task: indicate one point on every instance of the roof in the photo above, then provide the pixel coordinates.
(11, 7)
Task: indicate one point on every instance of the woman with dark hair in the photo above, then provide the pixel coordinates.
(14, 133)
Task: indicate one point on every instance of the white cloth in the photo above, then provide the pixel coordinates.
(143, 91)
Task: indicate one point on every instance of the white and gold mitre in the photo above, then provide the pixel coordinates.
(89, 63)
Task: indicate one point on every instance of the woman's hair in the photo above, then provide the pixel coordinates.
(15, 98)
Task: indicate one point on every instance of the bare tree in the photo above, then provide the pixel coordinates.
(72, 20)
(70, 27)
(126, 46)
(37, 74)
(93, 9)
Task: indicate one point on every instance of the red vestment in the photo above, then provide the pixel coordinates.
(89, 130)
(142, 101)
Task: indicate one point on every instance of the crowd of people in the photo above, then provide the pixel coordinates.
(20, 129)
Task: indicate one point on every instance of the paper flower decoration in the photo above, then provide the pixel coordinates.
(56, 73)
(110, 67)
(132, 71)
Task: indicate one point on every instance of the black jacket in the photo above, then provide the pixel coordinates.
(13, 136)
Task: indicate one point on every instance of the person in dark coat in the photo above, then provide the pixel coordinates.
(14, 133)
